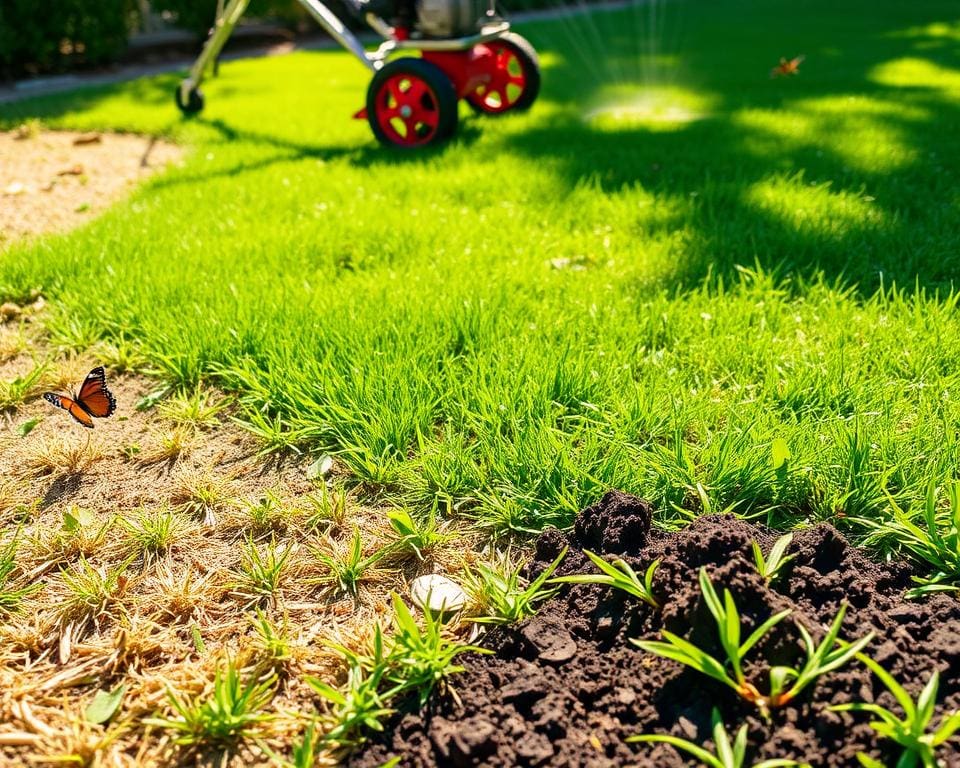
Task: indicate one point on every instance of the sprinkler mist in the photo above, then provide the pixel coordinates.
(628, 73)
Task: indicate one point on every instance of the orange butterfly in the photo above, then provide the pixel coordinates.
(786, 68)
(94, 400)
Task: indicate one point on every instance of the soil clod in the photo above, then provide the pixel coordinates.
(566, 688)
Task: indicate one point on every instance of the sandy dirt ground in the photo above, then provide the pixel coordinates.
(52, 181)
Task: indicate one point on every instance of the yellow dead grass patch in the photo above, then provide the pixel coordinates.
(139, 554)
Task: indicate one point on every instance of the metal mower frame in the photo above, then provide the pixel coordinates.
(411, 102)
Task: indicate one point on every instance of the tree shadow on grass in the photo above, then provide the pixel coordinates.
(847, 170)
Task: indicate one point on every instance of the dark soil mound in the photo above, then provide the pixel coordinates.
(566, 688)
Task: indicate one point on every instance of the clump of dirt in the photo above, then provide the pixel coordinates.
(56, 180)
(529, 704)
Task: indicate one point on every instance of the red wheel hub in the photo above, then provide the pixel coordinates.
(507, 80)
(407, 110)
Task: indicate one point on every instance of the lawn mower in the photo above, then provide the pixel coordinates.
(466, 52)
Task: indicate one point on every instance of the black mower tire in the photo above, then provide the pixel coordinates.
(440, 86)
(193, 103)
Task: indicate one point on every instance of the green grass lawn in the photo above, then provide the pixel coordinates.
(551, 305)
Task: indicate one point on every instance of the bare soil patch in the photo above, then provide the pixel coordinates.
(51, 181)
(566, 688)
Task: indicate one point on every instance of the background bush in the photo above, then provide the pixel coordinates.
(56, 34)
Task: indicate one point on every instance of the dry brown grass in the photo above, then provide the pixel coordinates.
(148, 577)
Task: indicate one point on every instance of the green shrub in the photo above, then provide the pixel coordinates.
(64, 33)
(198, 15)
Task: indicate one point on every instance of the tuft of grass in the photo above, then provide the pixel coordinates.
(269, 514)
(199, 409)
(419, 536)
(932, 540)
(90, 592)
(69, 456)
(503, 595)
(769, 567)
(359, 708)
(327, 508)
(152, 532)
(12, 595)
(913, 731)
(786, 683)
(726, 754)
(346, 568)
(167, 446)
(220, 717)
(13, 341)
(82, 534)
(257, 579)
(202, 495)
(273, 647)
(14, 392)
(618, 575)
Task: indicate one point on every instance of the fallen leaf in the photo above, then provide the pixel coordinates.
(320, 468)
(87, 138)
(76, 170)
(105, 705)
(27, 427)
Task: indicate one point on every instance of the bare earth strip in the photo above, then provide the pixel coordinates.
(51, 181)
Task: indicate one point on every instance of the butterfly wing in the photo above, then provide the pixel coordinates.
(71, 406)
(94, 396)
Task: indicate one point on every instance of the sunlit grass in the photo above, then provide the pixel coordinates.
(551, 306)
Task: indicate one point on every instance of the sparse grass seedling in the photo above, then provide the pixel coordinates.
(933, 541)
(15, 391)
(359, 708)
(199, 409)
(419, 536)
(259, 575)
(12, 595)
(232, 710)
(90, 591)
(167, 445)
(202, 496)
(913, 730)
(786, 683)
(502, 594)
(769, 567)
(81, 534)
(153, 532)
(268, 514)
(422, 658)
(347, 569)
(327, 508)
(725, 755)
(272, 644)
(619, 575)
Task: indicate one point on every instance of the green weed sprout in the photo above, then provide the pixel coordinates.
(910, 731)
(361, 707)
(420, 537)
(727, 755)
(10, 596)
(347, 570)
(502, 594)
(421, 659)
(619, 575)
(232, 711)
(769, 567)
(936, 543)
(786, 683)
